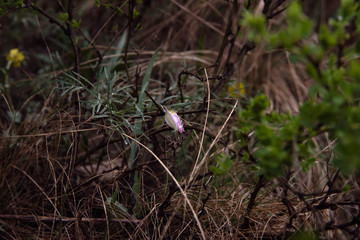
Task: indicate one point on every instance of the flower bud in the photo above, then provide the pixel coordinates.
(173, 120)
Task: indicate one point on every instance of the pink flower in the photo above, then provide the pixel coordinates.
(173, 120)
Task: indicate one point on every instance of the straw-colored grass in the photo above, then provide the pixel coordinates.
(70, 171)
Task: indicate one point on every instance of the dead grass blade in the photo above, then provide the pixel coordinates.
(176, 182)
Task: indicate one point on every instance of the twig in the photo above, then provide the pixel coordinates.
(330, 184)
(225, 40)
(254, 193)
(156, 104)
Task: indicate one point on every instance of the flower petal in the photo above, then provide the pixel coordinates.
(173, 120)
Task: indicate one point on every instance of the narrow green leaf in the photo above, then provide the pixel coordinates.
(140, 105)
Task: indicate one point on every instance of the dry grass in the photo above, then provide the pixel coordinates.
(68, 175)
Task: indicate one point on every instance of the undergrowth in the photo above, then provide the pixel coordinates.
(267, 93)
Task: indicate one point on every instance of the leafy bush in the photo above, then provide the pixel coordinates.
(332, 106)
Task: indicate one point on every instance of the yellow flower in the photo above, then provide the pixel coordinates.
(236, 91)
(15, 57)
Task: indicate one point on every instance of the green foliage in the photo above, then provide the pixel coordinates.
(64, 16)
(305, 235)
(298, 27)
(333, 107)
(118, 209)
(141, 103)
(6, 5)
(224, 164)
(135, 13)
(15, 116)
(75, 23)
(276, 136)
(256, 25)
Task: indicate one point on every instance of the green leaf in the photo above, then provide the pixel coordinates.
(141, 104)
(326, 38)
(64, 16)
(145, 83)
(272, 159)
(347, 10)
(75, 24)
(298, 28)
(224, 164)
(135, 13)
(256, 25)
(15, 116)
